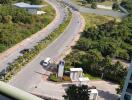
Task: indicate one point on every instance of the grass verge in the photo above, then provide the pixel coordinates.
(91, 77)
(21, 61)
(94, 20)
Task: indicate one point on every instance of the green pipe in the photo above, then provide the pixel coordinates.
(16, 93)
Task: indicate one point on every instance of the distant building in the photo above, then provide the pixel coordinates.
(127, 89)
(33, 9)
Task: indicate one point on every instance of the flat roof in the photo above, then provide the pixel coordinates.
(83, 79)
(26, 5)
(76, 69)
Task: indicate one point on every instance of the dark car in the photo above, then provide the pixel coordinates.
(24, 51)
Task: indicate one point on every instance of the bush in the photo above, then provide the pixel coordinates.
(115, 6)
(21, 61)
(53, 77)
(66, 78)
(94, 5)
(8, 19)
(122, 54)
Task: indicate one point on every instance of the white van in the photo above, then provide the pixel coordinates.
(47, 61)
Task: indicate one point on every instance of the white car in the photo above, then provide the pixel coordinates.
(47, 61)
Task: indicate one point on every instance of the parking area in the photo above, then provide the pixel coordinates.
(106, 89)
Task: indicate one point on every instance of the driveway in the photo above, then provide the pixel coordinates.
(106, 89)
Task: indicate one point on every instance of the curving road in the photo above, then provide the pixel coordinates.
(31, 75)
(11, 54)
(96, 11)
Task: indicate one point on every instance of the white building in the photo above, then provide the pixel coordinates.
(75, 73)
(33, 9)
(127, 89)
(83, 81)
(93, 94)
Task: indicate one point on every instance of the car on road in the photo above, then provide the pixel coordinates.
(24, 51)
(47, 61)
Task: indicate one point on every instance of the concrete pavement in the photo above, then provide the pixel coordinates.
(106, 89)
(11, 54)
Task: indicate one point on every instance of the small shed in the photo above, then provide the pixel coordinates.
(83, 81)
(93, 94)
(76, 73)
(33, 9)
(61, 68)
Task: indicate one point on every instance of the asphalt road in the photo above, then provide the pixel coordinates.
(30, 76)
(13, 53)
(96, 11)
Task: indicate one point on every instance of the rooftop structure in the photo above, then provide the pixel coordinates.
(32, 9)
(75, 73)
(76, 69)
(26, 5)
(83, 80)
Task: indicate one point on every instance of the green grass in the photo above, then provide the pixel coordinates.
(16, 32)
(79, 2)
(94, 20)
(106, 3)
(91, 77)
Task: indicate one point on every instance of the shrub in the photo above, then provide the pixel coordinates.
(53, 77)
(66, 78)
(8, 19)
(122, 54)
(94, 5)
(115, 6)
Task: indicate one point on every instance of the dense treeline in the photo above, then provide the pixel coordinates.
(98, 46)
(109, 39)
(16, 24)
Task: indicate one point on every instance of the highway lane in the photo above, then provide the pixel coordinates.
(31, 75)
(96, 11)
(13, 53)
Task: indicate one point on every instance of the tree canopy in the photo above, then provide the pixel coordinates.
(74, 92)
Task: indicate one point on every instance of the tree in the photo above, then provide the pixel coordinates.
(35, 1)
(74, 92)
(94, 5)
(90, 1)
(8, 19)
(5, 1)
(115, 6)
